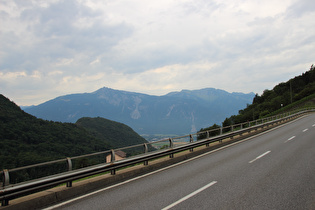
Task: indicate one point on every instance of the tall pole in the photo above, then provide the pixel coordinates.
(291, 91)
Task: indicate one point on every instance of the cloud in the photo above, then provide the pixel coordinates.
(56, 47)
(300, 8)
(57, 32)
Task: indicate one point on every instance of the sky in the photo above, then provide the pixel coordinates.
(50, 48)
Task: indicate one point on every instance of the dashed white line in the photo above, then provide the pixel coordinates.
(190, 195)
(289, 139)
(260, 156)
(313, 125)
(305, 130)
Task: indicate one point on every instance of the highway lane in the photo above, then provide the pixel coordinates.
(275, 170)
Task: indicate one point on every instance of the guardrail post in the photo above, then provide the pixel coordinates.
(112, 156)
(171, 142)
(6, 178)
(69, 163)
(232, 128)
(191, 141)
(5, 202)
(112, 160)
(208, 136)
(6, 181)
(145, 147)
(145, 151)
(171, 146)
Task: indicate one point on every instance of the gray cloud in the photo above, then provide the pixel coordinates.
(54, 35)
(300, 8)
(202, 7)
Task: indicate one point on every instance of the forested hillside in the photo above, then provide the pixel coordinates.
(26, 140)
(284, 96)
(116, 134)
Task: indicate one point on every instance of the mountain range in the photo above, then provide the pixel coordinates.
(174, 113)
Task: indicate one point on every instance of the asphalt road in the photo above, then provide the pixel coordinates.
(275, 170)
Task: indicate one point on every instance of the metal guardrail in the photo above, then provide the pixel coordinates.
(11, 190)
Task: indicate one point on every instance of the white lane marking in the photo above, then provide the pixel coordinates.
(162, 169)
(289, 139)
(305, 130)
(260, 156)
(121, 183)
(313, 125)
(148, 174)
(190, 195)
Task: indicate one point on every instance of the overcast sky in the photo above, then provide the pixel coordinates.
(50, 48)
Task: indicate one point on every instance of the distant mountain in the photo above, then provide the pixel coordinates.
(116, 134)
(26, 107)
(175, 113)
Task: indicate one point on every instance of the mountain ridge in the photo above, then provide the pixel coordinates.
(174, 113)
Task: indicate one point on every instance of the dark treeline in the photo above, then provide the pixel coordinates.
(116, 134)
(26, 140)
(281, 96)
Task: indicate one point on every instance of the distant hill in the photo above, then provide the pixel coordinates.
(175, 113)
(26, 140)
(116, 134)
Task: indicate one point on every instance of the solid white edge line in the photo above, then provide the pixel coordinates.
(190, 195)
(162, 169)
(289, 139)
(260, 156)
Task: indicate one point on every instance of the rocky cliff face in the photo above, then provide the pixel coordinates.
(175, 113)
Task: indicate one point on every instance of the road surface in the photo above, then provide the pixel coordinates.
(275, 170)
